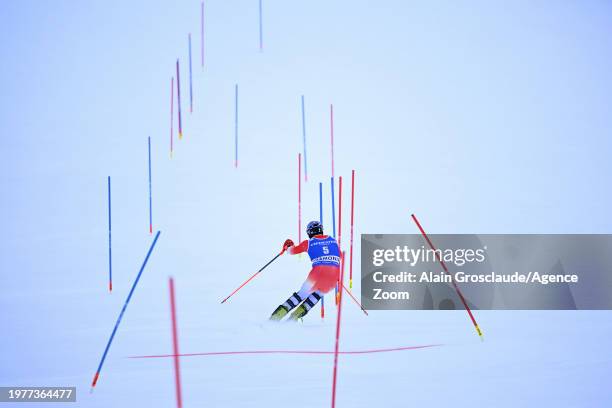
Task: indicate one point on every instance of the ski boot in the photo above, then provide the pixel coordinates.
(286, 307)
(298, 313)
(305, 307)
(279, 313)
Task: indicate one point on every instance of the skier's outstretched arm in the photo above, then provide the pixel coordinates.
(294, 250)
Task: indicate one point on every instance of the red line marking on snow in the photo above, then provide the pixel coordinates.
(177, 368)
(337, 346)
(467, 308)
(316, 352)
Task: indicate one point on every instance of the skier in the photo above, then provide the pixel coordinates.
(325, 256)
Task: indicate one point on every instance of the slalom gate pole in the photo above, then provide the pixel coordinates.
(355, 300)
(338, 284)
(322, 307)
(202, 33)
(340, 212)
(175, 346)
(304, 142)
(110, 253)
(252, 277)
(331, 121)
(321, 203)
(171, 116)
(333, 210)
(352, 223)
(236, 126)
(299, 198)
(467, 308)
(150, 199)
(178, 100)
(190, 79)
(110, 340)
(321, 221)
(260, 27)
(337, 344)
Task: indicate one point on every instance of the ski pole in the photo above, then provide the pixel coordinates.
(253, 276)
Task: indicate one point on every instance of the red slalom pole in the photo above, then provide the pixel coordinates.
(337, 346)
(177, 369)
(252, 277)
(355, 300)
(340, 212)
(322, 307)
(171, 116)
(467, 308)
(352, 223)
(178, 100)
(339, 284)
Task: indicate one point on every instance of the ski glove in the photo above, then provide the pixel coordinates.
(288, 243)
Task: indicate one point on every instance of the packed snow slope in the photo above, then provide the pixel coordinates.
(479, 119)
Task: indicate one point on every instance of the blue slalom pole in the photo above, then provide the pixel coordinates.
(150, 200)
(97, 375)
(333, 208)
(321, 221)
(321, 203)
(236, 129)
(260, 27)
(304, 141)
(178, 99)
(110, 257)
(334, 221)
(190, 79)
